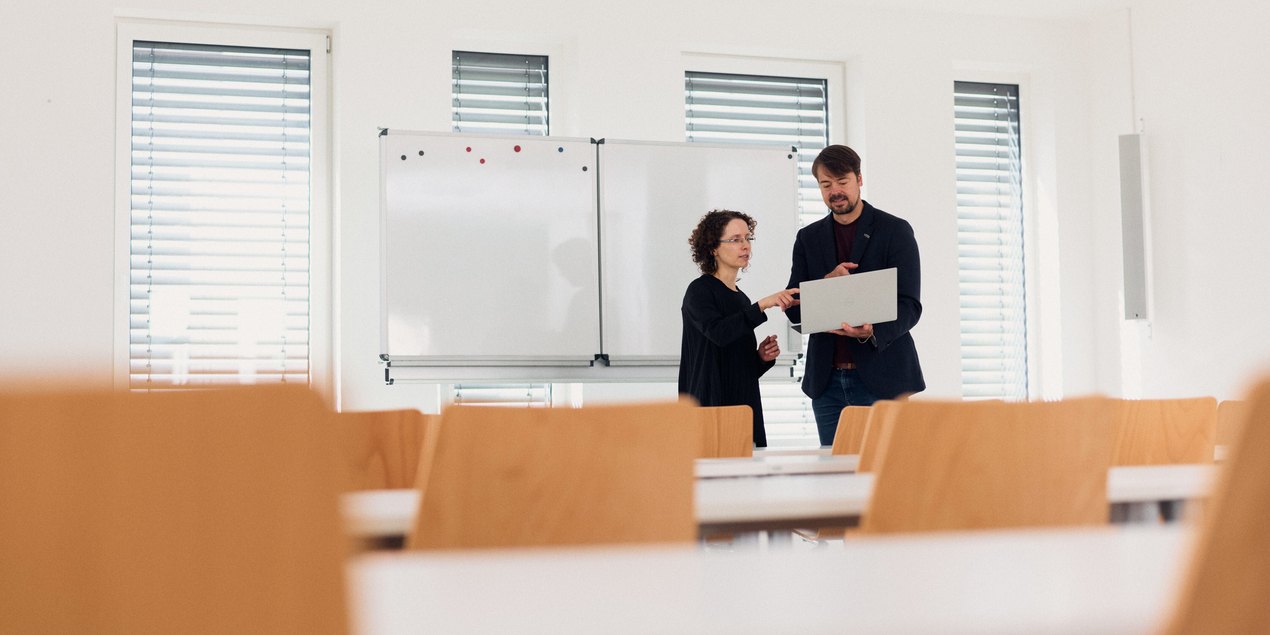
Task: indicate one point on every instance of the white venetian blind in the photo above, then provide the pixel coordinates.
(505, 94)
(506, 395)
(990, 241)
(778, 111)
(764, 110)
(219, 273)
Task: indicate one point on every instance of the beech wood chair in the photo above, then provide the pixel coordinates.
(1230, 418)
(1228, 579)
(725, 432)
(500, 477)
(200, 512)
(382, 448)
(850, 434)
(882, 417)
(982, 465)
(1165, 431)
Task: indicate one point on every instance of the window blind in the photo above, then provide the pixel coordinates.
(219, 247)
(765, 110)
(506, 395)
(505, 94)
(990, 241)
(777, 111)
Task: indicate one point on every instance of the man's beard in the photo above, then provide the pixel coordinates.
(846, 210)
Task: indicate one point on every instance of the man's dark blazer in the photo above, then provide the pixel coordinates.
(888, 366)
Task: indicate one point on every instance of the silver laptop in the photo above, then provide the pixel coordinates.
(857, 299)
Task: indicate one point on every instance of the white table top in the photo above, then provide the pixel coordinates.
(785, 501)
(771, 465)
(793, 451)
(1115, 581)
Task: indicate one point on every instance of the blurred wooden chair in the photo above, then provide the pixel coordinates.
(725, 432)
(382, 448)
(500, 477)
(201, 512)
(1230, 418)
(878, 420)
(1165, 431)
(882, 417)
(982, 465)
(850, 434)
(1228, 579)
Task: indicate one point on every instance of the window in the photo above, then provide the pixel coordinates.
(219, 214)
(505, 94)
(778, 111)
(506, 395)
(990, 241)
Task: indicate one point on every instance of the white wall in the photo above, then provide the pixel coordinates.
(616, 73)
(1199, 84)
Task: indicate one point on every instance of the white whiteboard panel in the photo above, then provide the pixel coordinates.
(652, 197)
(489, 248)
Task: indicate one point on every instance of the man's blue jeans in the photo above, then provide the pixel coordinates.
(845, 389)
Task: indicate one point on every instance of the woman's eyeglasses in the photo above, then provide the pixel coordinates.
(747, 239)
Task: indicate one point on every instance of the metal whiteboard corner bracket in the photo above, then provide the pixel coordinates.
(383, 356)
(602, 358)
(383, 132)
(793, 148)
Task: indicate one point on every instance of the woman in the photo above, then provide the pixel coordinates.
(720, 361)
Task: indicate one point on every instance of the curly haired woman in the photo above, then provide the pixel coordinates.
(720, 360)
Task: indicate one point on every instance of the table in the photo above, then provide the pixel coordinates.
(790, 501)
(772, 465)
(1105, 581)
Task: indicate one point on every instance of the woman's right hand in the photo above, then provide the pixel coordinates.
(783, 299)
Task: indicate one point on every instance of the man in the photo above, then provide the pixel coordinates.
(856, 365)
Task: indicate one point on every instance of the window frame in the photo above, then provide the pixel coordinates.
(321, 349)
(834, 74)
(1040, 253)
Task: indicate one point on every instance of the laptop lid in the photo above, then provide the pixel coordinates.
(857, 299)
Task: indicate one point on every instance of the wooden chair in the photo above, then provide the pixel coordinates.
(192, 512)
(382, 448)
(981, 465)
(882, 417)
(850, 434)
(533, 477)
(878, 419)
(725, 432)
(1228, 579)
(1165, 431)
(1230, 418)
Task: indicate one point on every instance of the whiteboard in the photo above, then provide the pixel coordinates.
(652, 197)
(489, 249)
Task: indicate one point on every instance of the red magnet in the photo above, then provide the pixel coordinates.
(482, 160)
(517, 148)
(469, 149)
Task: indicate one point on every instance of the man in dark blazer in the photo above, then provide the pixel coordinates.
(856, 365)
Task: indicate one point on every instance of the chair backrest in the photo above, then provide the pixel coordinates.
(725, 432)
(382, 448)
(1230, 419)
(850, 435)
(882, 416)
(983, 465)
(502, 477)
(1228, 581)
(1165, 431)
(193, 512)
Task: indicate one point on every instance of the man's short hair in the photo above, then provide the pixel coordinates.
(836, 161)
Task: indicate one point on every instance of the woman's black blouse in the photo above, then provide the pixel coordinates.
(718, 361)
